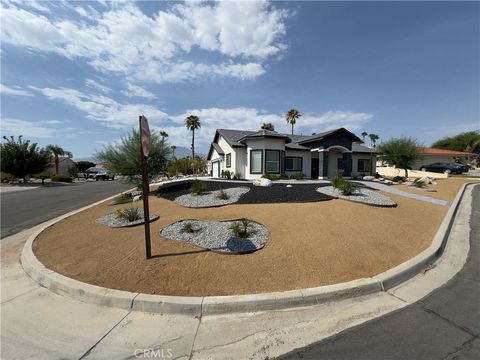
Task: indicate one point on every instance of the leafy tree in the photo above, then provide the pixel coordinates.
(291, 117)
(124, 157)
(20, 158)
(373, 139)
(268, 126)
(186, 166)
(400, 152)
(57, 151)
(192, 123)
(84, 165)
(460, 142)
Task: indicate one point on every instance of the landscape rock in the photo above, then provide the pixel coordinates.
(368, 178)
(262, 182)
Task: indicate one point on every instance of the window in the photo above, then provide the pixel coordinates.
(272, 161)
(229, 160)
(364, 165)
(256, 158)
(293, 163)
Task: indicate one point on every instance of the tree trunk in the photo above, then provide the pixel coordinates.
(406, 173)
(56, 165)
(292, 129)
(193, 150)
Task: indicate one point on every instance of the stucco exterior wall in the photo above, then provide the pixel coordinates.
(261, 144)
(430, 159)
(366, 156)
(306, 162)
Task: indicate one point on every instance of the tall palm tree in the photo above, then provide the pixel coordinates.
(363, 136)
(268, 126)
(192, 123)
(291, 116)
(173, 147)
(57, 151)
(373, 138)
(164, 135)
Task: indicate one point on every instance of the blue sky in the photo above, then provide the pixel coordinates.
(78, 74)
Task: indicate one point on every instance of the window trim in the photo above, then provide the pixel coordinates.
(261, 161)
(294, 157)
(228, 160)
(369, 169)
(279, 162)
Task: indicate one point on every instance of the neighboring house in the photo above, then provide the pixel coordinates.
(66, 166)
(432, 155)
(251, 154)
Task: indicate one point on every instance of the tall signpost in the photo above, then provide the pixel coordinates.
(144, 151)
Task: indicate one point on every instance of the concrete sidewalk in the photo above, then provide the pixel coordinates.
(37, 324)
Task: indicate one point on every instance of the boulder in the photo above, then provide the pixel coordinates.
(265, 182)
(368, 178)
(289, 186)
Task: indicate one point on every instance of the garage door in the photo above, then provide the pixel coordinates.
(216, 169)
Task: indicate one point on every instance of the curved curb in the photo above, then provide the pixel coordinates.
(208, 305)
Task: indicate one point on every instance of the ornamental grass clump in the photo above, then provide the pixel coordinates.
(188, 227)
(222, 195)
(129, 214)
(419, 183)
(347, 188)
(123, 199)
(198, 188)
(240, 228)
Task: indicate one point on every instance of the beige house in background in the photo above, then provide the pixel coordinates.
(66, 166)
(432, 155)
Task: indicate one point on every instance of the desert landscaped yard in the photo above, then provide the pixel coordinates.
(310, 244)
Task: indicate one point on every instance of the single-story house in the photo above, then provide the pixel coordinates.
(66, 166)
(251, 154)
(432, 155)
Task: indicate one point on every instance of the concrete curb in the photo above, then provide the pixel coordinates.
(210, 305)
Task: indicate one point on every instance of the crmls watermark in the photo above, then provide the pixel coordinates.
(153, 353)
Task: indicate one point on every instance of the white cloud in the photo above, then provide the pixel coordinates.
(97, 86)
(137, 91)
(15, 92)
(31, 129)
(122, 39)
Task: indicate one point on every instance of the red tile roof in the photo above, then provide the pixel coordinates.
(433, 151)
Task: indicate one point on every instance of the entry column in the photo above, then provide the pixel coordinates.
(323, 164)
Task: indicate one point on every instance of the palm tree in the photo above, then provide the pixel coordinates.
(373, 138)
(363, 136)
(291, 116)
(173, 147)
(57, 151)
(192, 123)
(268, 126)
(164, 135)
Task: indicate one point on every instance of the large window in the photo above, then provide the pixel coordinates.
(364, 165)
(272, 161)
(293, 163)
(256, 159)
(229, 160)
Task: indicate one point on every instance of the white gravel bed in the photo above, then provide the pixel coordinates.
(209, 198)
(114, 221)
(216, 236)
(362, 195)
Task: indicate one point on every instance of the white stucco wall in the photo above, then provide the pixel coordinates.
(306, 165)
(356, 157)
(263, 144)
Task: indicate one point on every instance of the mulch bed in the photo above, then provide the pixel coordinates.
(277, 193)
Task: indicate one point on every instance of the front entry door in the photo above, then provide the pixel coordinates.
(314, 169)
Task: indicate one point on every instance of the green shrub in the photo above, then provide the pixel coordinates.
(222, 195)
(398, 179)
(198, 188)
(123, 199)
(272, 177)
(419, 183)
(347, 188)
(6, 177)
(61, 178)
(226, 174)
(337, 178)
(129, 214)
(188, 227)
(298, 176)
(240, 228)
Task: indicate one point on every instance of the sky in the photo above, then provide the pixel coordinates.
(78, 74)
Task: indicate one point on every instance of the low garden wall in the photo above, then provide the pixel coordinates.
(392, 172)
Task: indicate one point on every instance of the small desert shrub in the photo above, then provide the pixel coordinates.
(122, 199)
(188, 227)
(272, 177)
(6, 177)
(419, 183)
(222, 195)
(398, 179)
(198, 187)
(377, 175)
(129, 214)
(226, 174)
(337, 178)
(347, 187)
(61, 178)
(298, 176)
(240, 228)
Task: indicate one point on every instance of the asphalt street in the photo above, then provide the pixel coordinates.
(443, 325)
(23, 209)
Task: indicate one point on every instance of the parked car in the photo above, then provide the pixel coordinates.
(97, 174)
(448, 168)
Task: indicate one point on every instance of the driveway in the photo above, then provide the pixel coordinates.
(23, 209)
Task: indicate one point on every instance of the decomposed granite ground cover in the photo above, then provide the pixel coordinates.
(309, 244)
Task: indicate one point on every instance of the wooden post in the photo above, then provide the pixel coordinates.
(145, 188)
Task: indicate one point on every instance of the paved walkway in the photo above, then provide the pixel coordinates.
(37, 324)
(443, 325)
